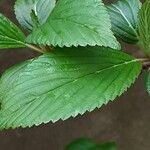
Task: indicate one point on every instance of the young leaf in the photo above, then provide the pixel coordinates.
(10, 35)
(124, 19)
(64, 83)
(147, 81)
(144, 27)
(73, 23)
(24, 8)
(87, 144)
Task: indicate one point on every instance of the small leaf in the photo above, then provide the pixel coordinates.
(10, 35)
(124, 19)
(63, 83)
(81, 144)
(73, 23)
(24, 8)
(144, 27)
(147, 81)
(107, 146)
(87, 144)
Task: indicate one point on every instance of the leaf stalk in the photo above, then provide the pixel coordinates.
(37, 49)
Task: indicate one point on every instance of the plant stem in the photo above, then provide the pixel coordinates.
(145, 63)
(143, 59)
(37, 49)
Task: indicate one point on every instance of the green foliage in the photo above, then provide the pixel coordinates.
(10, 35)
(65, 82)
(74, 23)
(124, 18)
(41, 8)
(81, 144)
(87, 144)
(144, 27)
(62, 84)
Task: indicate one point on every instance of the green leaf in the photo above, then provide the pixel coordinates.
(81, 144)
(10, 35)
(64, 83)
(74, 23)
(42, 9)
(124, 19)
(144, 27)
(107, 146)
(87, 144)
(147, 81)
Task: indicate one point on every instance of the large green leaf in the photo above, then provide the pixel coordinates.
(10, 35)
(41, 8)
(73, 23)
(124, 19)
(64, 83)
(87, 144)
(144, 27)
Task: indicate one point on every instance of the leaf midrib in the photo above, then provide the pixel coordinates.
(74, 22)
(29, 103)
(76, 79)
(128, 22)
(97, 72)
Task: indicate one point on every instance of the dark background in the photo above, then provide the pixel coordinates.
(125, 121)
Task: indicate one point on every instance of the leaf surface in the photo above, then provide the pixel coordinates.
(87, 144)
(81, 144)
(41, 8)
(144, 27)
(73, 23)
(124, 18)
(62, 84)
(10, 35)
